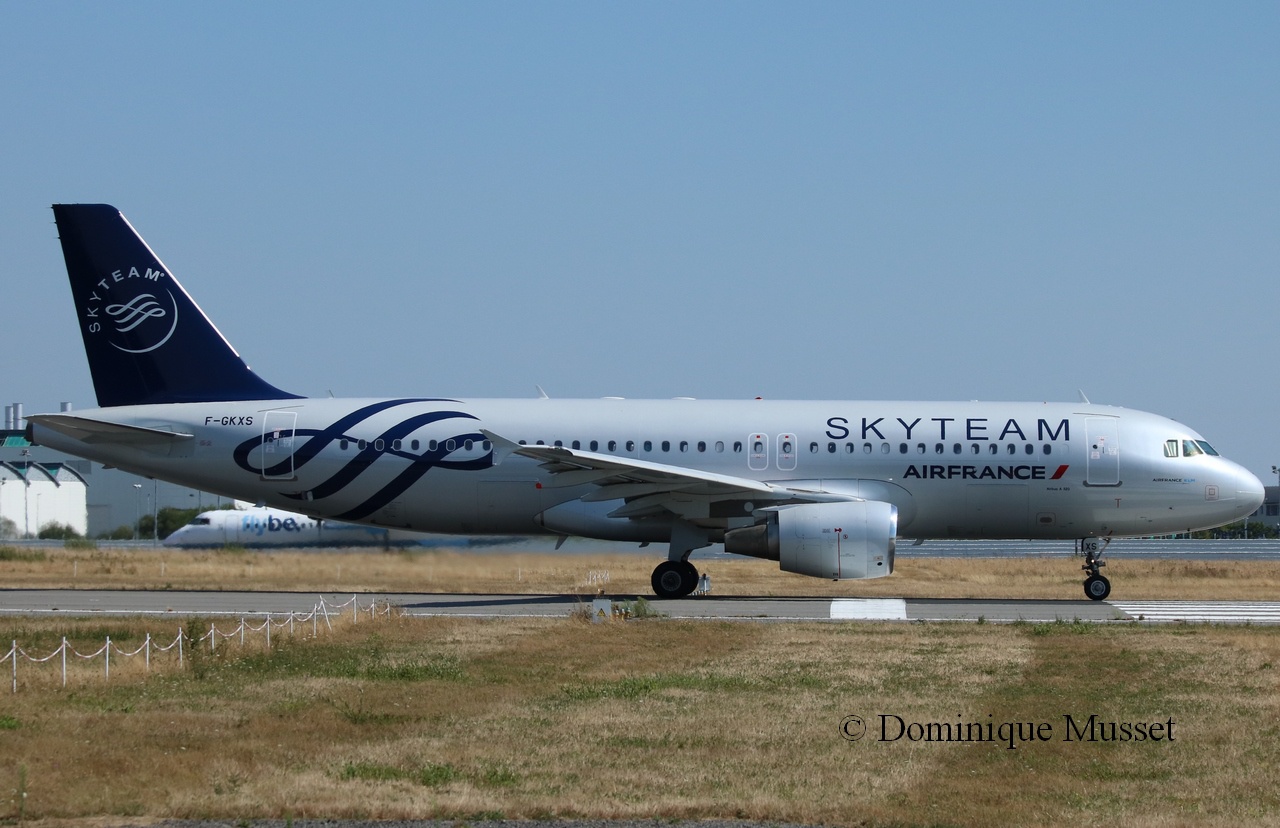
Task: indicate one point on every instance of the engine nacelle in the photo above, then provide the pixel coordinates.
(825, 540)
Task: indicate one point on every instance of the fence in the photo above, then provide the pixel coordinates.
(184, 641)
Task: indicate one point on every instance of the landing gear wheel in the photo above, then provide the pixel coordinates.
(1097, 587)
(690, 574)
(674, 579)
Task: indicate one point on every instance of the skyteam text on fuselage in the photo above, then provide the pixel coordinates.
(824, 488)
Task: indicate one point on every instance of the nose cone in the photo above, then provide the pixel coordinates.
(1249, 492)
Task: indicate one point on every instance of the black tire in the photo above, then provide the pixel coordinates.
(669, 579)
(1097, 587)
(690, 574)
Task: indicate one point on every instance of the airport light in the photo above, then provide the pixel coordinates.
(137, 511)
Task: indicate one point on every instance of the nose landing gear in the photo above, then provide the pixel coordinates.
(1096, 585)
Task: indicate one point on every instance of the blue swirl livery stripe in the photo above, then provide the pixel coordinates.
(419, 463)
(414, 472)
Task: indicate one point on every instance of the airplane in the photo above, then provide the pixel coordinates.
(825, 488)
(264, 527)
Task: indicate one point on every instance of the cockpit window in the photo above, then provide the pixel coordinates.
(1208, 449)
(200, 521)
(1190, 449)
(1170, 448)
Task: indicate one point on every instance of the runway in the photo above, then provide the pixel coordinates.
(17, 602)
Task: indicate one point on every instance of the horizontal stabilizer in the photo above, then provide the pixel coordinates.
(99, 432)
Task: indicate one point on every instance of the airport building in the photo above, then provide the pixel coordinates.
(1269, 511)
(40, 486)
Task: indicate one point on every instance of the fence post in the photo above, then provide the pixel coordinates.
(64, 662)
(268, 631)
(181, 635)
(242, 631)
(355, 605)
(107, 650)
(148, 645)
(14, 655)
(213, 637)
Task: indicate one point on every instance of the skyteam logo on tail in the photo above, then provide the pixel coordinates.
(135, 312)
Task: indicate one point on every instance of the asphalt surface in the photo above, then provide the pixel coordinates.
(257, 604)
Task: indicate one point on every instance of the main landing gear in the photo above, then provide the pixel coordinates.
(674, 579)
(1096, 585)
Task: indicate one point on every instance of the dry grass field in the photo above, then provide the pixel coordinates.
(529, 718)
(628, 574)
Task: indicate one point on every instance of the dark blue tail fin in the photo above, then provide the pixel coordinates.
(147, 341)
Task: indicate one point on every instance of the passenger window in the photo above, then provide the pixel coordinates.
(595, 445)
(468, 444)
(666, 445)
(1170, 448)
(361, 444)
(938, 448)
(558, 444)
(631, 445)
(575, 445)
(486, 445)
(719, 446)
(977, 449)
(831, 448)
(920, 448)
(902, 448)
(395, 445)
(378, 445)
(414, 445)
(648, 445)
(957, 448)
(813, 448)
(684, 445)
(884, 448)
(1030, 449)
(737, 447)
(1048, 448)
(613, 445)
(994, 449)
(450, 445)
(1011, 449)
(342, 444)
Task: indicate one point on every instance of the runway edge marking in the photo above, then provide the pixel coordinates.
(869, 609)
(1232, 612)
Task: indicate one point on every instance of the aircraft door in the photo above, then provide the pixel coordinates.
(1102, 447)
(278, 444)
(758, 452)
(786, 452)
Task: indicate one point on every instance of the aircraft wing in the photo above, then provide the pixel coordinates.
(98, 431)
(649, 487)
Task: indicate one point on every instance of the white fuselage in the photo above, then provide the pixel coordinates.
(952, 469)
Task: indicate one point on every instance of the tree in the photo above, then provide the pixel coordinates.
(170, 521)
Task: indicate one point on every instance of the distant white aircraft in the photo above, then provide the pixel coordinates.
(259, 527)
(824, 488)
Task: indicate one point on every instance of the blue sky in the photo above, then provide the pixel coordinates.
(820, 200)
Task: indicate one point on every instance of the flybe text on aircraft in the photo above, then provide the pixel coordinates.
(826, 489)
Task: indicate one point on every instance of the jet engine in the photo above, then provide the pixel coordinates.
(824, 540)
